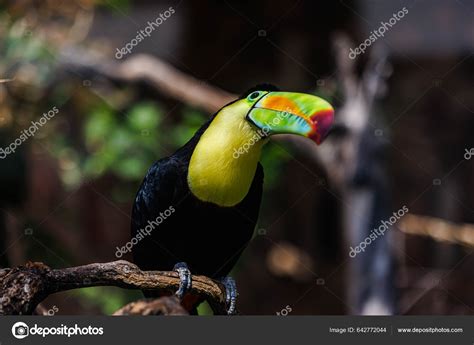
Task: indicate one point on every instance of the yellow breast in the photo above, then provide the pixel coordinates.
(223, 164)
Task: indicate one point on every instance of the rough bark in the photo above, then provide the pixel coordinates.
(23, 288)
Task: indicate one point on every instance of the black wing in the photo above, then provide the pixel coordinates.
(157, 192)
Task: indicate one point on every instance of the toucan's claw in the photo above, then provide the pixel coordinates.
(185, 280)
(230, 294)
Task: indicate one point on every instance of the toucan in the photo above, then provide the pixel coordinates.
(200, 205)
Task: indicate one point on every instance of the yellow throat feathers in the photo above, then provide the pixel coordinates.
(225, 159)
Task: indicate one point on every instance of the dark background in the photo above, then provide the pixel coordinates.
(66, 194)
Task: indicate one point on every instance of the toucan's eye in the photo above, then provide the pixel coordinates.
(253, 96)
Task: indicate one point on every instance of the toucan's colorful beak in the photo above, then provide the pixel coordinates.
(292, 113)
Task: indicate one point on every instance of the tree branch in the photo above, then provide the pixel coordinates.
(23, 288)
(438, 229)
(168, 305)
(161, 75)
(173, 82)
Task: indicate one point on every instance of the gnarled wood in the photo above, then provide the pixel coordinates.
(23, 288)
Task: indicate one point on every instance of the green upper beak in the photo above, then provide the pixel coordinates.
(292, 113)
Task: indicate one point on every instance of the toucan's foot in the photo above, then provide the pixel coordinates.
(185, 281)
(230, 294)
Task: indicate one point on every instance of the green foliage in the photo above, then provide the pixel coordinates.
(123, 145)
(114, 300)
(274, 158)
(191, 121)
(118, 6)
(127, 145)
(20, 44)
(204, 309)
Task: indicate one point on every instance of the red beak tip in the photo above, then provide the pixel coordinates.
(322, 122)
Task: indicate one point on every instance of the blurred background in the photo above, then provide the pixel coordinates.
(404, 134)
